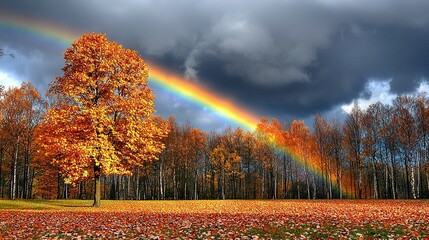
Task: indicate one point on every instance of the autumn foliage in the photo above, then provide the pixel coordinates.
(21, 110)
(102, 122)
(211, 219)
(97, 122)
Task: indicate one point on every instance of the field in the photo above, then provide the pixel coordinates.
(211, 219)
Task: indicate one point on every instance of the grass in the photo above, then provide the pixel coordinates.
(44, 204)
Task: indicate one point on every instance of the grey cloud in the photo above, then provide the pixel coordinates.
(32, 66)
(287, 59)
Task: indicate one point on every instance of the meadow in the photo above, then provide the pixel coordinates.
(214, 219)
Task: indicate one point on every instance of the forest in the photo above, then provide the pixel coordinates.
(379, 152)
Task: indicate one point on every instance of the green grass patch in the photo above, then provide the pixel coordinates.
(44, 204)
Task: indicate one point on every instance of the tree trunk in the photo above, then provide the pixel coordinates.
(212, 185)
(196, 186)
(314, 187)
(25, 177)
(353, 181)
(326, 176)
(161, 189)
(105, 188)
(284, 175)
(138, 183)
(427, 179)
(128, 187)
(27, 182)
(223, 183)
(14, 173)
(186, 196)
(299, 193)
(144, 187)
(375, 179)
(79, 190)
(32, 183)
(386, 181)
(407, 177)
(112, 192)
(392, 159)
(204, 187)
(360, 184)
(97, 186)
(307, 182)
(66, 191)
(58, 185)
(175, 192)
(248, 180)
(413, 180)
(275, 182)
(418, 177)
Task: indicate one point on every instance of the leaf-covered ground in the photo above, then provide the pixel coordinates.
(242, 219)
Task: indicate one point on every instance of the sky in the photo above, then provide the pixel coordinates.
(279, 58)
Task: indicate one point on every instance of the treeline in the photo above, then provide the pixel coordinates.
(21, 110)
(380, 152)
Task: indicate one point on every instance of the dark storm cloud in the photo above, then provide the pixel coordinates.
(339, 74)
(279, 58)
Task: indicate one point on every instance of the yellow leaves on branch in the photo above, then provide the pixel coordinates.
(103, 111)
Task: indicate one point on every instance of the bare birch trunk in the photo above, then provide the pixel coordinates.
(418, 177)
(413, 181)
(175, 193)
(392, 158)
(138, 183)
(161, 188)
(223, 183)
(14, 173)
(375, 179)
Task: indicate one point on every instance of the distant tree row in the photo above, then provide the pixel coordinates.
(380, 152)
(21, 111)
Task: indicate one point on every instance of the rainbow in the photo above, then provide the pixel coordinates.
(50, 32)
(159, 77)
(177, 85)
(173, 83)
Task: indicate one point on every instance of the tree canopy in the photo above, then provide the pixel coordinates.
(102, 119)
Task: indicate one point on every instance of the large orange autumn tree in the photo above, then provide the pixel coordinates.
(102, 121)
